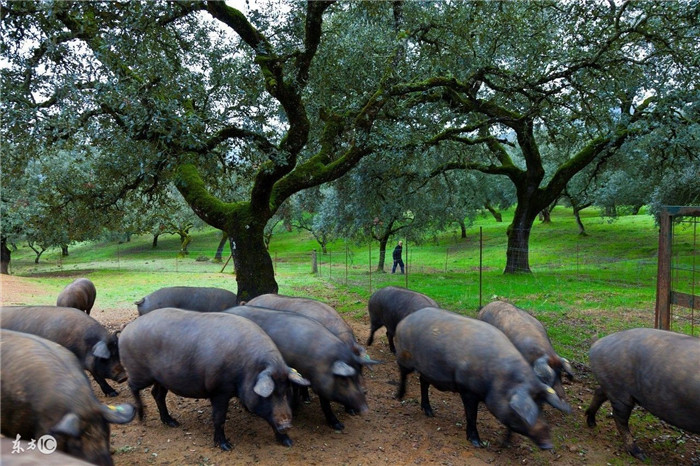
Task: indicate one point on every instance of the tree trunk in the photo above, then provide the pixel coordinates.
(185, 239)
(517, 254)
(5, 256)
(218, 257)
(463, 227)
(64, 250)
(383, 241)
(255, 274)
(546, 215)
(581, 228)
(39, 250)
(154, 244)
(497, 215)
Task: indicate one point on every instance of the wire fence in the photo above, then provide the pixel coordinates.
(473, 276)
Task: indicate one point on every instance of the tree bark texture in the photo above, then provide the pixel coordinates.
(517, 253)
(255, 274)
(5, 257)
(382, 253)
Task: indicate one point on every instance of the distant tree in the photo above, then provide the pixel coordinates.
(306, 213)
(677, 188)
(541, 76)
(36, 203)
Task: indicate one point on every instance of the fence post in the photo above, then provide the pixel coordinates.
(314, 263)
(330, 263)
(662, 319)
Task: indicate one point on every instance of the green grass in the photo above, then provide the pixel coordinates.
(581, 288)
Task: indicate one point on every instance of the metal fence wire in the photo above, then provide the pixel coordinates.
(465, 265)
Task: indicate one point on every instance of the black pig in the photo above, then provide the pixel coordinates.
(652, 368)
(46, 392)
(94, 346)
(530, 337)
(79, 294)
(208, 355)
(313, 309)
(320, 356)
(470, 357)
(388, 305)
(192, 298)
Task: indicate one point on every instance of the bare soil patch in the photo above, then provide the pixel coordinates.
(392, 432)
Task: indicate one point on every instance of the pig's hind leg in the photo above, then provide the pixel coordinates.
(621, 415)
(159, 392)
(425, 397)
(599, 397)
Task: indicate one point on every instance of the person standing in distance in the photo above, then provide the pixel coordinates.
(397, 257)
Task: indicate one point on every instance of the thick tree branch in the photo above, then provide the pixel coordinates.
(312, 38)
(208, 207)
(234, 132)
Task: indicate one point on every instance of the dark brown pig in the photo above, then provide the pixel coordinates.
(322, 312)
(93, 345)
(46, 392)
(209, 355)
(192, 298)
(458, 354)
(388, 305)
(331, 367)
(79, 294)
(530, 337)
(655, 369)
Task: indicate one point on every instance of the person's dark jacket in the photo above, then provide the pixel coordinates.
(397, 252)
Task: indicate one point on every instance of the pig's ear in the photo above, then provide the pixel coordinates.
(553, 399)
(524, 406)
(264, 385)
(295, 377)
(68, 425)
(566, 367)
(365, 360)
(100, 350)
(342, 369)
(118, 414)
(543, 371)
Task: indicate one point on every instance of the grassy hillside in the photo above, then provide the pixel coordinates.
(581, 288)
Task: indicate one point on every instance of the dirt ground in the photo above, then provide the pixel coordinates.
(392, 432)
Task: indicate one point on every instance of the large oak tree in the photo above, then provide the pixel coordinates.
(539, 91)
(206, 90)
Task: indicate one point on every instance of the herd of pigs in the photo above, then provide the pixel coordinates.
(202, 343)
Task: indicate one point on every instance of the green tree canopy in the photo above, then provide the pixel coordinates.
(287, 96)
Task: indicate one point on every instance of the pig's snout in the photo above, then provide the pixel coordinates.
(282, 421)
(545, 445)
(283, 425)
